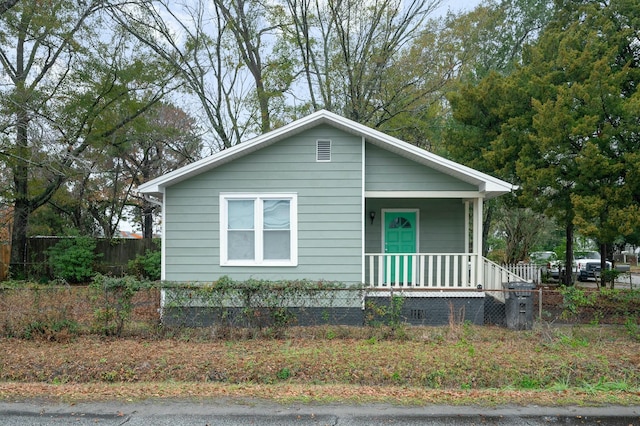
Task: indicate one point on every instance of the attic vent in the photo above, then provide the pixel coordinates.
(323, 150)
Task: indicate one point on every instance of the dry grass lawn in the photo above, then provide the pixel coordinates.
(460, 364)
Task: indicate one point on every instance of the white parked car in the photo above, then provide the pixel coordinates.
(587, 263)
(547, 261)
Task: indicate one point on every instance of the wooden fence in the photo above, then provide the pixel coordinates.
(115, 255)
(5, 256)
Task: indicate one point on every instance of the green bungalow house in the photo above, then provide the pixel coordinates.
(325, 198)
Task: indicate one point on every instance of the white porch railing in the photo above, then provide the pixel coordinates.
(527, 271)
(421, 270)
(434, 271)
(495, 275)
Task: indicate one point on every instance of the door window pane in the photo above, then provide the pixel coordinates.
(399, 222)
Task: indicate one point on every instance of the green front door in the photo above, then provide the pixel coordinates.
(400, 236)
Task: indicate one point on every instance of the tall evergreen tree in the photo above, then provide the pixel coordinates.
(567, 120)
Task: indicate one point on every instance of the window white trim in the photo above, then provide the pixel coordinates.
(258, 199)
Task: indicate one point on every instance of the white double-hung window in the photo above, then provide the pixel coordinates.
(258, 229)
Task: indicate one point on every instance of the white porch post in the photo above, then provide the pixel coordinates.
(363, 213)
(466, 226)
(163, 240)
(477, 239)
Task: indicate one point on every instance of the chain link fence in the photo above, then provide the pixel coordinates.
(123, 306)
(58, 313)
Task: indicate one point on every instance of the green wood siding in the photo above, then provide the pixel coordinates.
(329, 210)
(386, 171)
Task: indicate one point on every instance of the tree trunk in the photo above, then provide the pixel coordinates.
(147, 220)
(488, 217)
(568, 268)
(22, 206)
(18, 262)
(603, 266)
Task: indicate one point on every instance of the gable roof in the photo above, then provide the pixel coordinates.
(489, 185)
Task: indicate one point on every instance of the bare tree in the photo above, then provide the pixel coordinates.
(253, 65)
(168, 141)
(352, 54)
(522, 228)
(211, 47)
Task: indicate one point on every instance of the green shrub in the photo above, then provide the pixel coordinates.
(632, 328)
(284, 374)
(387, 313)
(575, 299)
(73, 259)
(610, 276)
(60, 329)
(147, 266)
(112, 300)
(269, 307)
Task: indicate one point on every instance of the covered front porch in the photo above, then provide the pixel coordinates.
(428, 242)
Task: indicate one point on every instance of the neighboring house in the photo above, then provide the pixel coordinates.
(129, 235)
(326, 198)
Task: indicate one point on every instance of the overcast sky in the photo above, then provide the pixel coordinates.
(459, 5)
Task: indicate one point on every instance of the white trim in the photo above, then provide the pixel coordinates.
(363, 213)
(259, 255)
(487, 184)
(422, 194)
(163, 298)
(417, 227)
(477, 236)
(163, 240)
(435, 293)
(466, 226)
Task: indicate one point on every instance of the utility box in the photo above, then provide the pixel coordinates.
(518, 301)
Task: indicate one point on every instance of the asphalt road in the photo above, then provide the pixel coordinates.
(632, 278)
(231, 413)
(624, 281)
